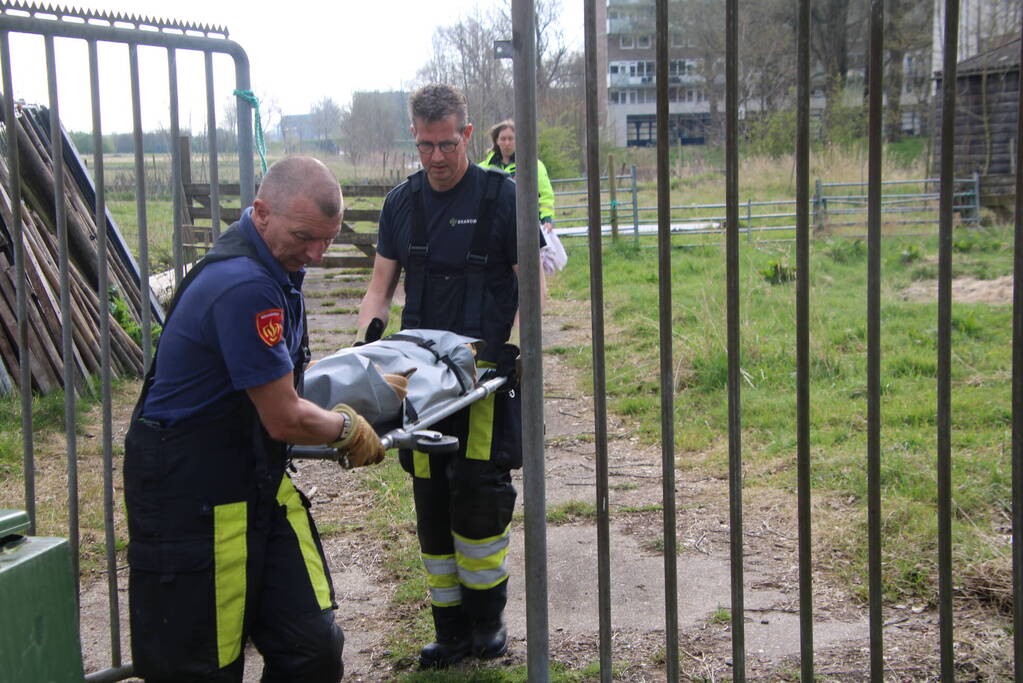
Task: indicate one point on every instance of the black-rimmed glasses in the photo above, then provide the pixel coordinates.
(446, 147)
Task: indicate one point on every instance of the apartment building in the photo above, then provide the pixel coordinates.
(631, 79)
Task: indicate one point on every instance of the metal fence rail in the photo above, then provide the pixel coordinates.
(53, 23)
(897, 208)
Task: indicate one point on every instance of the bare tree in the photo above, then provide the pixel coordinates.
(463, 54)
(834, 25)
(373, 124)
(326, 120)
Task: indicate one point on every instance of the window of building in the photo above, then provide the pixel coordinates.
(676, 39)
(643, 42)
(626, 42)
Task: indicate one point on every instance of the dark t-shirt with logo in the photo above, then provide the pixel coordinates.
(450, 222)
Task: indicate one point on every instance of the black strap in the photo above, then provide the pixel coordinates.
(476, 259)
(428, 345)
(418, 250)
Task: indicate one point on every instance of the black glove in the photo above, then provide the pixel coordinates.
(369, 333)
(509, 364)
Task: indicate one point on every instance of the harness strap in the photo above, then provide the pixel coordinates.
(476, 259)
(418, 251)
(428, 344)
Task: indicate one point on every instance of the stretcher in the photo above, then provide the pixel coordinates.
(445, 381)
(416, 435)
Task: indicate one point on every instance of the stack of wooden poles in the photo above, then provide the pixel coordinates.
(43, 282)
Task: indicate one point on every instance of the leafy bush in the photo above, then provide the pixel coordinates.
(846, 251)
(910, 254)
(559, 151)
(773, 135)
(966, 241)
(123, 316)
(778, 272)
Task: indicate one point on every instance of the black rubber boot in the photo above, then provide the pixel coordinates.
(453, 642)
(486, 610)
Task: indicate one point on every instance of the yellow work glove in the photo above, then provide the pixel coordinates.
(359, 444)
(399, 382)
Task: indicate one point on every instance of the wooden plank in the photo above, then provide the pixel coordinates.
(227, 214)
(345, 262)
(356, 238)
(356, 215)
(365, 190)
(203, 190)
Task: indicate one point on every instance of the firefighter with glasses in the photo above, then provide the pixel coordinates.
(451, 228)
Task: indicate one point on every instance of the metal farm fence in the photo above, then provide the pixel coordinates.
(836, 208)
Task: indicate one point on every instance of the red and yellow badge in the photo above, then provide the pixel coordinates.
(270, 326)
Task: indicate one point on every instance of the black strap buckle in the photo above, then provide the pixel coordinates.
(477, 260)
(418, 250)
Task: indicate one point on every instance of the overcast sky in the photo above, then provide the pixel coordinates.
(299, 52)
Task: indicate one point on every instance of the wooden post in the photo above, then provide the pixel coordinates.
(612, 189)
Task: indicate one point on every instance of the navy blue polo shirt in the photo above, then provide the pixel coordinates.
(238, 325)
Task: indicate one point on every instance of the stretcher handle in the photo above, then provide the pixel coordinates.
(405, 437)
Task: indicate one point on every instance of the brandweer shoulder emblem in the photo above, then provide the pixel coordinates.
(270, 326)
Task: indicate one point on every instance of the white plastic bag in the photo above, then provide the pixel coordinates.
(553, 256)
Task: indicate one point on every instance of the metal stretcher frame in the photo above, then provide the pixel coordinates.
(414, 435)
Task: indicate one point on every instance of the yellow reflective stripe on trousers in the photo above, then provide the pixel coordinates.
(481, 563)
(288, 498)
(230, 554)
(481, 429)
(420, 465)
(442, 578)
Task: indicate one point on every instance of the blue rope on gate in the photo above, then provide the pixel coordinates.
(251, 98)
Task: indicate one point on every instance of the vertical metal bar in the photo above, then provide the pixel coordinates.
(875, 66)
(104, 326)
(804, 500)
(211, 147)
(667, 364)
(749, 219)
(734, 407)
(67, 323)
(612, 188)
(534, 494)
(21, 295)
(1017, 399)
(593, 82)
(944, 389)
(175, 188)
(140, 207)
(246, 173)
(635, 206)
(976, 198)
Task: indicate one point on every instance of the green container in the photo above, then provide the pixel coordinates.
(39, 640)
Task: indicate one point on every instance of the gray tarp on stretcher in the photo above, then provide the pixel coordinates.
(444, 371)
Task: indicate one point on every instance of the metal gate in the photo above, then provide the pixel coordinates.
(594, 81)
(132, 32)
(27, 21)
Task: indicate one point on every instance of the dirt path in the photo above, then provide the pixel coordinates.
(841, 636)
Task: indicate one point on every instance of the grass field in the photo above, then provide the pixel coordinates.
(981, 405)
(981, 374)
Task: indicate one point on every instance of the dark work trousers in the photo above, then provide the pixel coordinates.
(223, 548)
(464, 503)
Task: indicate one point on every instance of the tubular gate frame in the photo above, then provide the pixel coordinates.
(132, 31)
